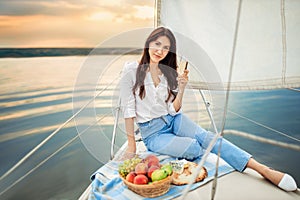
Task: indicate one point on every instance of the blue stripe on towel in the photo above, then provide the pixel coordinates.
(106, 183)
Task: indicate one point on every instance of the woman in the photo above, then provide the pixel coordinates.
(151, 94)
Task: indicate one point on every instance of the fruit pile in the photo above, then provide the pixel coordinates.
(144, 171)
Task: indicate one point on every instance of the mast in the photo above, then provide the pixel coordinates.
(157, 10)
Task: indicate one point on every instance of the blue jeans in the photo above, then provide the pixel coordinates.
(178, 136)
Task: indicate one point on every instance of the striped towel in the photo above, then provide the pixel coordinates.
(106, 183)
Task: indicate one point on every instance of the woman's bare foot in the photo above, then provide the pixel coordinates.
(283, 181)
(272, 175)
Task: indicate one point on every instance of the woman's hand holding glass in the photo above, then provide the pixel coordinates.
(182, 81)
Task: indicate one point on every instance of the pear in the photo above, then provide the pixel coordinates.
(158, 175)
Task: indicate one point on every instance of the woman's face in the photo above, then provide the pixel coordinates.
(159, 49)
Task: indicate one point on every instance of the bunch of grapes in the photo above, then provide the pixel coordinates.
(128, 165)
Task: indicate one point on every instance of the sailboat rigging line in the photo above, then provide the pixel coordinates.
(53, 133)
(262, 125)
(53, 154)
(207, 106)
(231, 64)
(294, 89)
(115, 129)
(284, 45)
(157, 10)
(214, 185)
(218, 134)
(262, 139)
(200, 165)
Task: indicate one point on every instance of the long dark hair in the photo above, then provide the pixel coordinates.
(167, 66)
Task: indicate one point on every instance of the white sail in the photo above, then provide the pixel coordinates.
(267, 49)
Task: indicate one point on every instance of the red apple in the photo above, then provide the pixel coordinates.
(141, 168)
(130, 177)
(140, 179)
(152, 169)
(151, 160)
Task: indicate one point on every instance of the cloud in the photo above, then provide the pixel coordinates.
(101, 16)
(62, 8)
(144, 12)
(69, 23)
(17, 8)
(121, 11)
(41, 7)
(116, 11)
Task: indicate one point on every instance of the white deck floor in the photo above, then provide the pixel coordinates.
(244, 186)
(234, 186)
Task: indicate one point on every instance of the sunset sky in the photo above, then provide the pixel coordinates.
(70, 23)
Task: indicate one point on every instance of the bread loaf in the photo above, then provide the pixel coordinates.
(186, 175)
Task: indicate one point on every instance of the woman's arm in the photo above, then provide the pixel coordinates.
(182, 81)
(178, 100)
(129, 126)
(128, 107)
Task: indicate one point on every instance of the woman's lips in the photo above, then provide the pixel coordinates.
(157, 56)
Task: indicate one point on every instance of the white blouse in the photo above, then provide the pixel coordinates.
(153, 105)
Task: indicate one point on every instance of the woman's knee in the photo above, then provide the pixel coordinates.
(194, 150)
(204, 137)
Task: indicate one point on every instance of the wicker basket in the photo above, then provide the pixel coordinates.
(154, 189)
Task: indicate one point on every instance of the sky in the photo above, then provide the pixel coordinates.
(70, 23)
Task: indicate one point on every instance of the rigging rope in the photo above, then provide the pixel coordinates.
(263, 139)
(53, 154)
(267, 127)
(284, 47)
(214, 184)
(294, 89)
(212, 143)
(157, 10)
(53, 133)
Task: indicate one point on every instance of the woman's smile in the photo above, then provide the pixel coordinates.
(159, 49)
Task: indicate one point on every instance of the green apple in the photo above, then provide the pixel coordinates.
(158, 175)
(167, 168)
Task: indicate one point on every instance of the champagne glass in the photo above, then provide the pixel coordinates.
(182, 65)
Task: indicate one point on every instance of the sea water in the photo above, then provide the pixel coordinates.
(37, 96)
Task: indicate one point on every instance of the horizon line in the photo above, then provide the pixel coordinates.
(69, 47)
